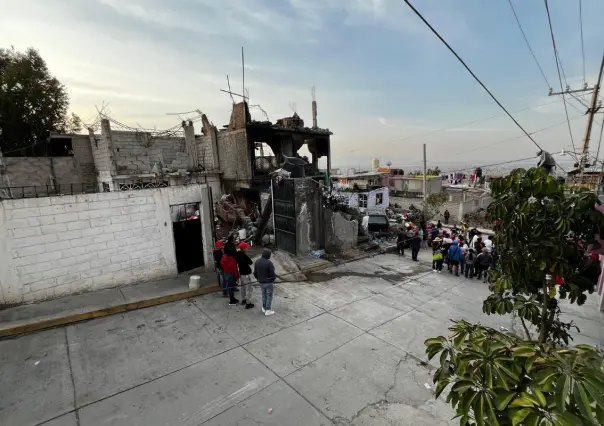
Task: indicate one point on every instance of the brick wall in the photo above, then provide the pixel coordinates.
(54, 246)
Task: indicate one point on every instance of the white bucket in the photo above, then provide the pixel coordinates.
(194, 282)
(242, 234)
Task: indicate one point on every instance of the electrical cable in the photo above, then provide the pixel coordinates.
(528, 45)
(558, 66)
(490, 165)
(471, 72)
(430, 132)
(513, 138)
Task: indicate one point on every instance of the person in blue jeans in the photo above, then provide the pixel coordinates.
(264, 271)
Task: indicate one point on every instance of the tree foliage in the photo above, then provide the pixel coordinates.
(32, 103)
(497, 378)
(431, 207)
(543, 232)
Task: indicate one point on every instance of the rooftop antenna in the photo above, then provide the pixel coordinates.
(243, 74)
(314, 107)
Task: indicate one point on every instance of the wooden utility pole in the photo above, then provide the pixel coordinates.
(425, 183)
(591, 111)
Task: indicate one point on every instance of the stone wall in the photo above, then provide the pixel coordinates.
(54, 246)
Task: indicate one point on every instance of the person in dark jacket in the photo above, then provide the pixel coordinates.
(416, 244)
(483, 262)
(447, 215)
(264, 271)
(244, 262)
(217, 258)
(230, 273)
(400, 242)
(230, 245)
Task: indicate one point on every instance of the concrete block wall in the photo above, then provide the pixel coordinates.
(38, 171)
(205, 153)
(55, 246)
(234, 156)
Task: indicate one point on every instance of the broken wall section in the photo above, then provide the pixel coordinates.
(319, 227)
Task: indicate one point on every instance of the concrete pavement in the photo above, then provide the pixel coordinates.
(344, 348)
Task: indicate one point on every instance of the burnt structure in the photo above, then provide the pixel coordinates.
(240, 144)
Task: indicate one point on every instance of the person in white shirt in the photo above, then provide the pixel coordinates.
(475, 238)
(488, 243)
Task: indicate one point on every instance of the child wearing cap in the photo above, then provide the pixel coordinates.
(244, 263)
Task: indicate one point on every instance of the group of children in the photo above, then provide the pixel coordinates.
(234, 267)
(469, 257)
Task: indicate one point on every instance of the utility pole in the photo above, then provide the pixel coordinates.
(425, 183)
(591, 111)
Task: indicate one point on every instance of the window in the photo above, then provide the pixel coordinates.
(363, 200)
(379, 199)
(60, 147)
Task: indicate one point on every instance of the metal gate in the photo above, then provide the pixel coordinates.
(284, 213)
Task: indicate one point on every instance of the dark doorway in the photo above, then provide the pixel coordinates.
(186, 226)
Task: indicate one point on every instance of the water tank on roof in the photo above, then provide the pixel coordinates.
(375, 164)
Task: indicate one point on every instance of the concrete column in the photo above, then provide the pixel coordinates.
(192, 160)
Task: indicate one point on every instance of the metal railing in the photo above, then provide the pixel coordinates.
(48, 190)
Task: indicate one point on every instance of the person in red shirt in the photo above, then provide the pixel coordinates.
(230, 274)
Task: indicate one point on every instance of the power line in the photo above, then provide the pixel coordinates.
(467, 123)
(528, 44)
(582, 45)
(471, 72)
(513, 138)
(491, 165)
(558, 66)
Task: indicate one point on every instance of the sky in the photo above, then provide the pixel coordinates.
(384, 83)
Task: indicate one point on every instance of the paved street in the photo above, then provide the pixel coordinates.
(344, 348)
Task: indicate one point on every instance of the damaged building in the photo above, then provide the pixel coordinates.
(232, 161)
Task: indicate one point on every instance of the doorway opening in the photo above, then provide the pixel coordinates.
(188, 244)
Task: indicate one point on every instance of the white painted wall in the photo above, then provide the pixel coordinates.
(54, 246)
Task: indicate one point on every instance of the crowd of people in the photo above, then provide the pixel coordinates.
(465, 251)
(234, 269)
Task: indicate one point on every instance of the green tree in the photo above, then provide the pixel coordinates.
(431, 207)
(543, 232)
(32, 103)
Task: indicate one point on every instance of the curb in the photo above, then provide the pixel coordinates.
(32, 325)
(28, 327)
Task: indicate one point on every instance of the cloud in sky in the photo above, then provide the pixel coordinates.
(381, 76)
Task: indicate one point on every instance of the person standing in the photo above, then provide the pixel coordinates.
(230, 245)
(400, 243)
(217, 258)
(483, 262)
(245, 271)
(447, 215)
(488, 243)
(416, 243)
(230, 273)
(437, 255)
(264, 271)
(470, 258)
(454, 258)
